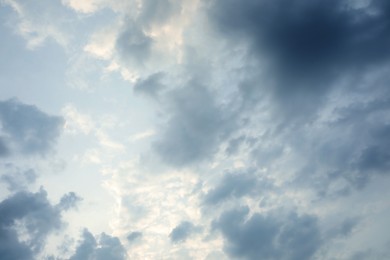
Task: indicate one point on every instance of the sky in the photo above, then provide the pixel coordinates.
(194, 129)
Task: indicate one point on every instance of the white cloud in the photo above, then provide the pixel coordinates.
(85, 6)
(76, 122)
(143, 135)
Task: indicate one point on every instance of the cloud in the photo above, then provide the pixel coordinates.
(232, 185)
(133, 236)
(4, 151)
(88, 6)
(27, 130)
(38, 22)
(69, 201)
(26, 219)
(151, 86)
(158, 13)
(183, 231)
(268, 236)
(106, 247)
(306, 46)
(195, 127)
(17, 179)
(133, 45)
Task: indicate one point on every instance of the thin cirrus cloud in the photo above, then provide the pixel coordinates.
(270, 130)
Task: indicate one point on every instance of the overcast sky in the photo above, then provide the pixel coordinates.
(194, 129)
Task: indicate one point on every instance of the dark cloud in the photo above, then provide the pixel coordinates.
(350, 149)
(150, 86)
(35, 215)
(234, 145)
(345, 228)
(4, 151)
(26, 129)
(69, 201)
(271, 236)
(183, 231)
(133, 45)
(371, 254)
(307, 45)
(195, 127)
(106, 247)
(134, 236)
(232, 186)
(17, 179)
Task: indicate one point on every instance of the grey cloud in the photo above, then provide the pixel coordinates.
(150, 86)
(69, 201)
(343, 229)
(4, 151)
(26, 129)
(355, 148)
(271, 236)
(232, 185)
(234, 145)
(307, 44)
(134, 236)
(35, 214)
(17, 179)
(183, 231)
(157, 12)
(86, 247)
(195, 127)
(106, 247)
(133, 45)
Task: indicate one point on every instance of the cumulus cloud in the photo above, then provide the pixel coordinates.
(26, 220)
(133, 236)
(69, 201)
(270, 236)
(195, 128)
(27, 130)
(235, 185)
(105, 247)
(183, 231)
(133, 45)
(150, 86)
(17, 179)
(293, 91)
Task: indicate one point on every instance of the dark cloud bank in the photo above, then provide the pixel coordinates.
(309, 52)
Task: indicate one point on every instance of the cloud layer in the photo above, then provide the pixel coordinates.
(221, 129)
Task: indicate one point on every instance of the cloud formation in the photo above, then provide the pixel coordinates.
(32, 215)
(307, 45)
(232, 186)
(271, 236)
(106, 247)
(195, 127)
(27, 130)
(183, 231)
(279, 105)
